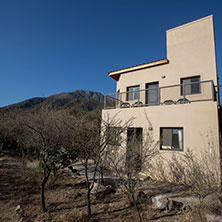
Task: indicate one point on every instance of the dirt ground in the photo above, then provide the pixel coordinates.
(66, 200)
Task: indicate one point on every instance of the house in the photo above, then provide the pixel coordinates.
(176, 99)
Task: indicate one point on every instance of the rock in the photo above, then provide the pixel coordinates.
(213, 218)
(160, 202)
(98, 188)
(175, 205)
(190, 201)
(17, 209)
(101, 190)
(186, 200)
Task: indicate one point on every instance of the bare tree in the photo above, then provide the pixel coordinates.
(92, 138)
(44, 131)
(87, 130)
(88, 142)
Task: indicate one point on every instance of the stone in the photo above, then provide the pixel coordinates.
(186, 200)
(159, 202)
(18, 208)
(98, 188)
(175, 205)
(101, 190)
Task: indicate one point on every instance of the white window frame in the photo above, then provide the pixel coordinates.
(170, 139)
(187, 87)
(133, 93)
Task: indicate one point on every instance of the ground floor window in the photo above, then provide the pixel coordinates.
(171, 138)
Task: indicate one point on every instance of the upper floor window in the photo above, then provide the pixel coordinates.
(152, 93)
(171, 138)
(190, 85)
(133, 93)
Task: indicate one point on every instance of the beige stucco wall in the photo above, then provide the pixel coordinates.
(199, 122)
(191, 49)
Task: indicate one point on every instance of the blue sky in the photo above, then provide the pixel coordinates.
(53, 46)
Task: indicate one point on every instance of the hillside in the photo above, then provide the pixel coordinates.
(79, 99)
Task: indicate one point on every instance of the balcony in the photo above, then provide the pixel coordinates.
(165, 95)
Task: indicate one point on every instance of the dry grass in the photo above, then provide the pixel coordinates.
(66, 200)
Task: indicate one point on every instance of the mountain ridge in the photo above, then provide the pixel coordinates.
(87, 100)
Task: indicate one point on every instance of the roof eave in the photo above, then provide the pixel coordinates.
(116, 74)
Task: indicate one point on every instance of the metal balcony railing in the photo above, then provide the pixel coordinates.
(165, 95)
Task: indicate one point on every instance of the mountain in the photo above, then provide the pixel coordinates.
(79, 99)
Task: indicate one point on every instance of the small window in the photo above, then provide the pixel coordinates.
(113, 136)
(171, 138)
(133, 93)
(190, 85)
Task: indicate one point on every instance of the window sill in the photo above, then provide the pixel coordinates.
(171, 150)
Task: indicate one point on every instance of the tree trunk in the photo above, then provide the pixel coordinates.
(89, 202)
(44, 181)
(88, 187)
(132, 191)
(137, 208)
(101, 176)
